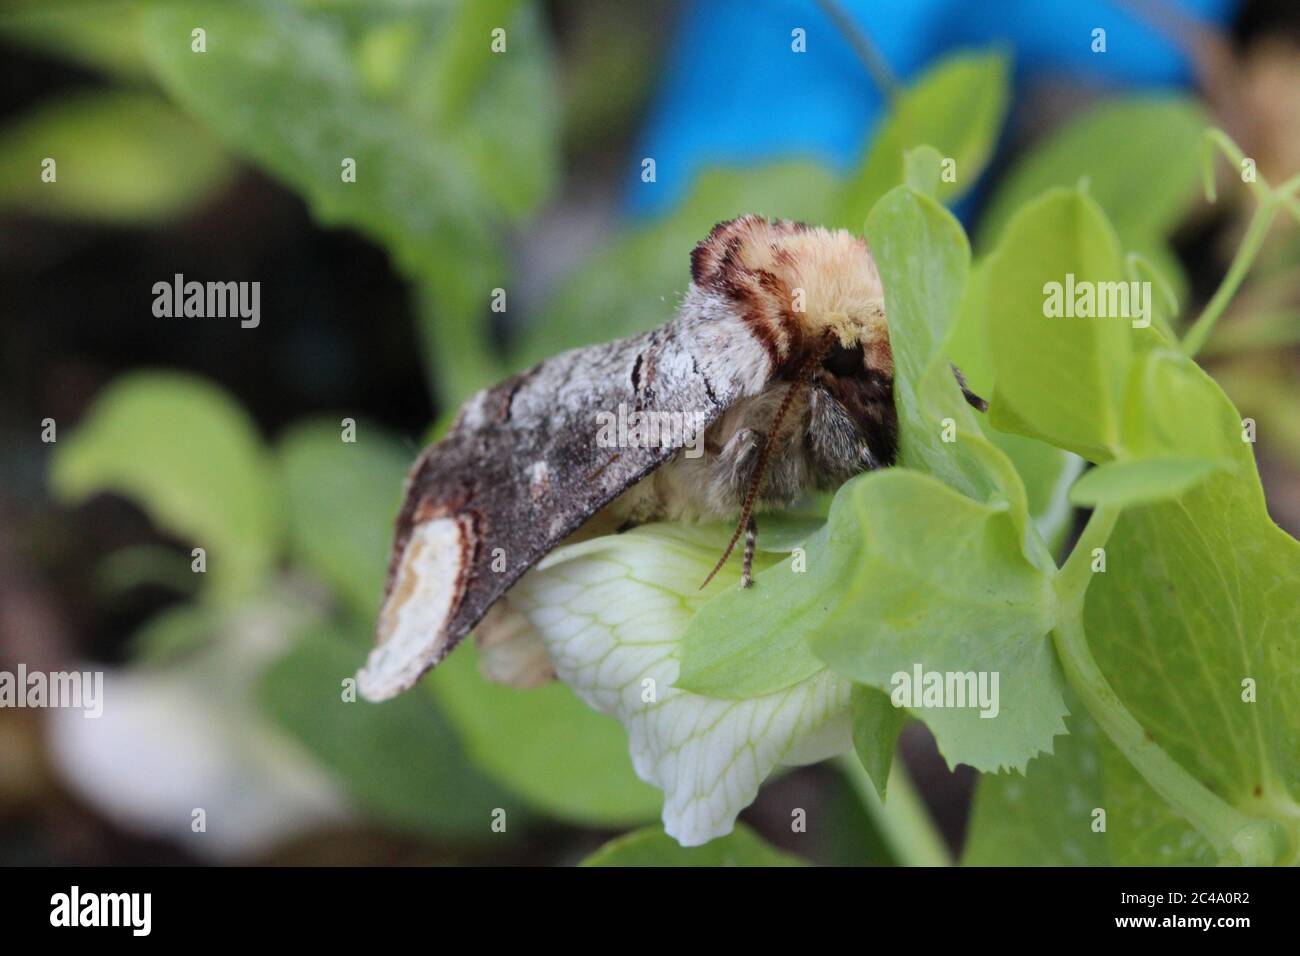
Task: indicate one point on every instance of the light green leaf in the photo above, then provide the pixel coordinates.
(1172, 409)
(1140, 156)
(1058, 379)
(941, 582)
(1046, 471)
(876, 723)
(968, 340)
(611, 612)
(120, 157)
(544, 744)
(721, 658)
(400, 760)
(1153, 259)
(1143, 829)
(744, 643)
(1198, 597)
(957, 108)
(1048, 474)
(1132, 482)
(922, 169)
(1173, 435)
(921, 252)
(1265, 387)
(1045, 817)
(191, 458)
(653, 847)
(341, 498)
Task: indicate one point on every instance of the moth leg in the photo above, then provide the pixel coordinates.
(839, 449)
(738, 459)
(973, 400)
(751, 542)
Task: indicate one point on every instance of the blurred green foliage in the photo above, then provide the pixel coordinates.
(191, 456)
(340, 499)
(546, 745)
(1140, 159)
(957, 108)
(108, 164)
(402, 761)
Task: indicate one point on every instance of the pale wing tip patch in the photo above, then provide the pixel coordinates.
(412, 631)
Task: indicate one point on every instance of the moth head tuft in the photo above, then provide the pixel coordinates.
(796, 286)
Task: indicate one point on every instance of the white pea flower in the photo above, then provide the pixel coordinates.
(611, 613)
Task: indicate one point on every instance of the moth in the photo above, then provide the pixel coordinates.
(779, 357)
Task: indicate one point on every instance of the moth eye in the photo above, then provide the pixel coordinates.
(845, 363)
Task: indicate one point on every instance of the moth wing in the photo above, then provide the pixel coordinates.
(523, 467)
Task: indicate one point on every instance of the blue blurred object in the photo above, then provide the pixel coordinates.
(735, 93)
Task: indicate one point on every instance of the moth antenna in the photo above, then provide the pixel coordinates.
(751, 493)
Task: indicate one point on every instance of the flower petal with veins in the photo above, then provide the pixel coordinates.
(611, 612)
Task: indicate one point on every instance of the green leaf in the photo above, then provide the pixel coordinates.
(941, 582)
(1171, 437)
(1047, 474)
(400, 760)
(653, 847)
(635, 281)
(1045, 471)
(1057, 379)
(1198, 596)
(957, 108)
(968, 340)
(922, 255)
(745, 643)
(1132, 482)
(500, 109)
(121, 158)
(721, 659)
(922, 169)
(876, 723)
(341, 498)
(1140, 156)
(464, 50)
(545, 745)
(1045, 817)
(191, 458)
(281, 85)
(101, 34)
(1172, 409)
(1144, 830)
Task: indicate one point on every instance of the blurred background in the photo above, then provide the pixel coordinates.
(571, 161)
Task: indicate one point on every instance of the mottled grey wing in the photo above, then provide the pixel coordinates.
(522, 469)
